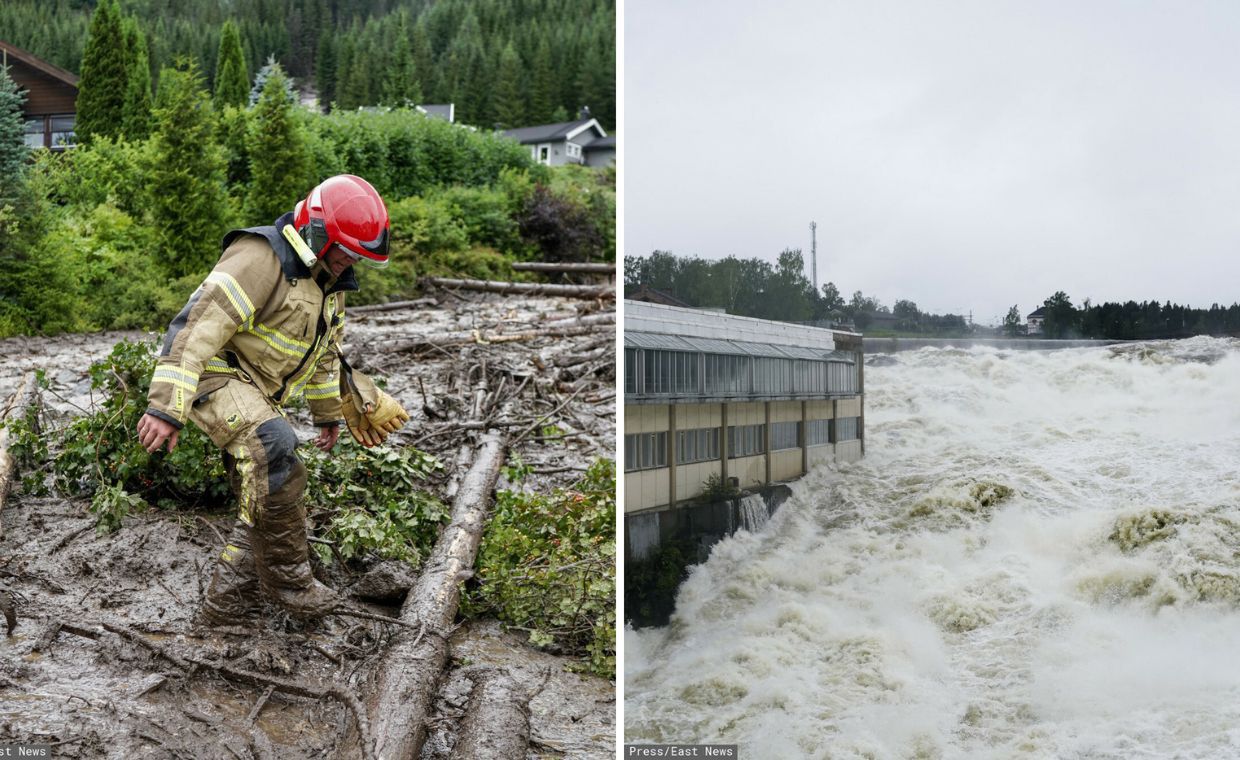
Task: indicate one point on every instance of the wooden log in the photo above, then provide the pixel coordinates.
(27, 394)
(393, 306)
(411, 669)
(564, 266)
(497, 723)
(524, 288)
(585, 325)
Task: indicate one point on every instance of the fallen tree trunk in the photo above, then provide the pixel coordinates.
(564, 266)
(409, 675)
(524, 288)
(393, 306)
(27, 395)
(560, 328)
(497, 724)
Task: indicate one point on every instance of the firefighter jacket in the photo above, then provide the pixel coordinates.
(261, 317)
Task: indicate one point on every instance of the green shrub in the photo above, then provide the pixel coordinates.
(547, 567)
(372, 501)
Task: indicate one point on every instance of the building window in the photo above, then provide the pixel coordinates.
(671, 373)
(846, 429)
(62, 131)
(785, 435)
(841, 378)
(573, 150)
(810, 376)
(34, 133)
(817, 432)
(772, 376)
(630, 370)
(746, 440)
(727, 375)
(701, 445)
(645, 451)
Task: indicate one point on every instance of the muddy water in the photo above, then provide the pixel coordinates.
(108, 698)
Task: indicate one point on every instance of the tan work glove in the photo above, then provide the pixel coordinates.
(371, 414)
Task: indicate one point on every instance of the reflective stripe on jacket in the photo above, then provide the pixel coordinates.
(261, 316)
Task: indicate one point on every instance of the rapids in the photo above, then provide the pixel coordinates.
(1039, 556)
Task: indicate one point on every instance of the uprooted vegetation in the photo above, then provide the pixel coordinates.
(107, 550)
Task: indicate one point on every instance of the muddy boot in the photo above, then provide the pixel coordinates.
(233, 595)
(282, 558)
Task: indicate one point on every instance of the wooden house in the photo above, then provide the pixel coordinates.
(51, 94)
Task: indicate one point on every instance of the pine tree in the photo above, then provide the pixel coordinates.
(542, 86)
(105, 76)
(13, 150)
(509, 101)
(325, 70)
(400, 81)
(231, 73)
(423, 61)
(187, 198)
(136, 119)
(271, 68)
(278, 159)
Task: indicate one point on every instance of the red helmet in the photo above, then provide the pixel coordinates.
(345, 210)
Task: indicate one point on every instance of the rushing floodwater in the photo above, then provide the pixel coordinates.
(1038, 557)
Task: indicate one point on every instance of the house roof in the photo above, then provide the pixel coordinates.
(12, 51)
(650, 295)
(1041, 312)
(603, 143)
(565, 130)
(445, 111)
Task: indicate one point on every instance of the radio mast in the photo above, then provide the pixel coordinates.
(813, 252)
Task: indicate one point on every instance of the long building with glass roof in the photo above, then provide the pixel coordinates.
(747, 402)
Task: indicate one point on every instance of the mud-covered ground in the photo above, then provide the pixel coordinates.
(93, 693)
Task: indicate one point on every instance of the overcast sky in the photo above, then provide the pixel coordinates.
(963, 155)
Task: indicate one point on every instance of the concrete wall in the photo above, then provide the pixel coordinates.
(645, 488)
(821, 454)
(785, 411)
(786, 464)
(694, 416)
(749, 413)
(645, 418)
(848, 451)
(749, 471)
(689, 478)
(848, 407)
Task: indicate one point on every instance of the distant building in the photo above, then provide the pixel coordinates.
(443, 111)
(570, 142)
(647, 294)
(50, 110)
(1035, 321)
(735, 400)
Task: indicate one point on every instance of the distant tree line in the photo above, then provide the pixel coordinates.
(502, 62)
(1129, 320)
(780, 291)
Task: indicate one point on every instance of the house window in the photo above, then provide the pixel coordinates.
(62, 131)
(785, 435)
(573, 150)
(817, 432)
(746, 440)
(645, 451)
(34, 133)
(701, 445)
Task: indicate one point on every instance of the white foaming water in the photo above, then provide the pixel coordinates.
(1038, 557)
(753, 512)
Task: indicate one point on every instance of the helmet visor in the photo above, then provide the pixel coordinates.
(357, 258)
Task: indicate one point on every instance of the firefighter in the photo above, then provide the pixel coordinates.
(263, 328)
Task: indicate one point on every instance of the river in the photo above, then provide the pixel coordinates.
(1039, 556)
